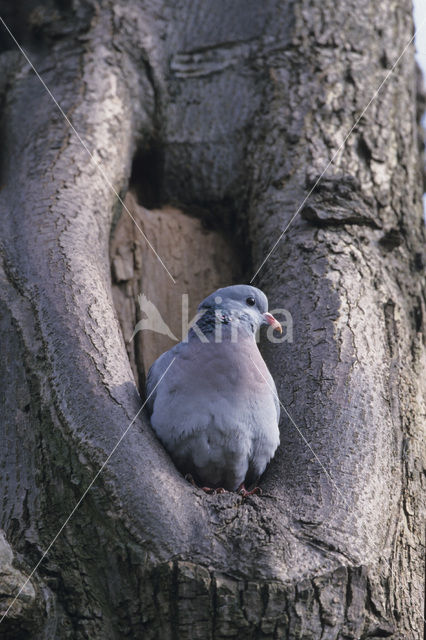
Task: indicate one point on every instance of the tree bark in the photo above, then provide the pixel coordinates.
(234, 109)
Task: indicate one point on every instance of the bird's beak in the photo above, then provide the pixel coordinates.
(269, 318)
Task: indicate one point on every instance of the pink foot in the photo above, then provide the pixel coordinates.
(209, 490)
(213, 491)
(243, 491)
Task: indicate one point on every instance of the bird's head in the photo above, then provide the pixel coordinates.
(241, 306)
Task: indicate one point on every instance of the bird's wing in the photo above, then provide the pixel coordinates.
(259, 364)
(154, 375)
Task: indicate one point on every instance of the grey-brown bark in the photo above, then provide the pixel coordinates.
(235, 108)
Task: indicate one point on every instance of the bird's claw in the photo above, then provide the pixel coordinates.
(209, 490)
(244, 493)
(212, 491)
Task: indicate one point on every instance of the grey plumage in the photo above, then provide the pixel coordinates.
(216, 410)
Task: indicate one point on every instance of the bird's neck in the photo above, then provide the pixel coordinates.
(218, 325)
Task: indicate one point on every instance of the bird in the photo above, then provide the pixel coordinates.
(216, 411)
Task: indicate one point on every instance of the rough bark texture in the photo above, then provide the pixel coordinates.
(234, 109)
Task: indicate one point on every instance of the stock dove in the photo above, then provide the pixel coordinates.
(216, 411)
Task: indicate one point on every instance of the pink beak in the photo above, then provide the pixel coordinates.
(273, 322)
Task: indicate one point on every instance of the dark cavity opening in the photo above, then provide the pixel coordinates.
(147, 176)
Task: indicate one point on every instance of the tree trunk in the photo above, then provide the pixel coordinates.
(234, 109)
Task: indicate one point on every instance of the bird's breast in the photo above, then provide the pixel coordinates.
(222, 367)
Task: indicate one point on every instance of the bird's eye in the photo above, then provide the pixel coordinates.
(251, 301)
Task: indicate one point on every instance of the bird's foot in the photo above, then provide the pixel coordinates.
(243, 491)
(213, 491)
(209, 490)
